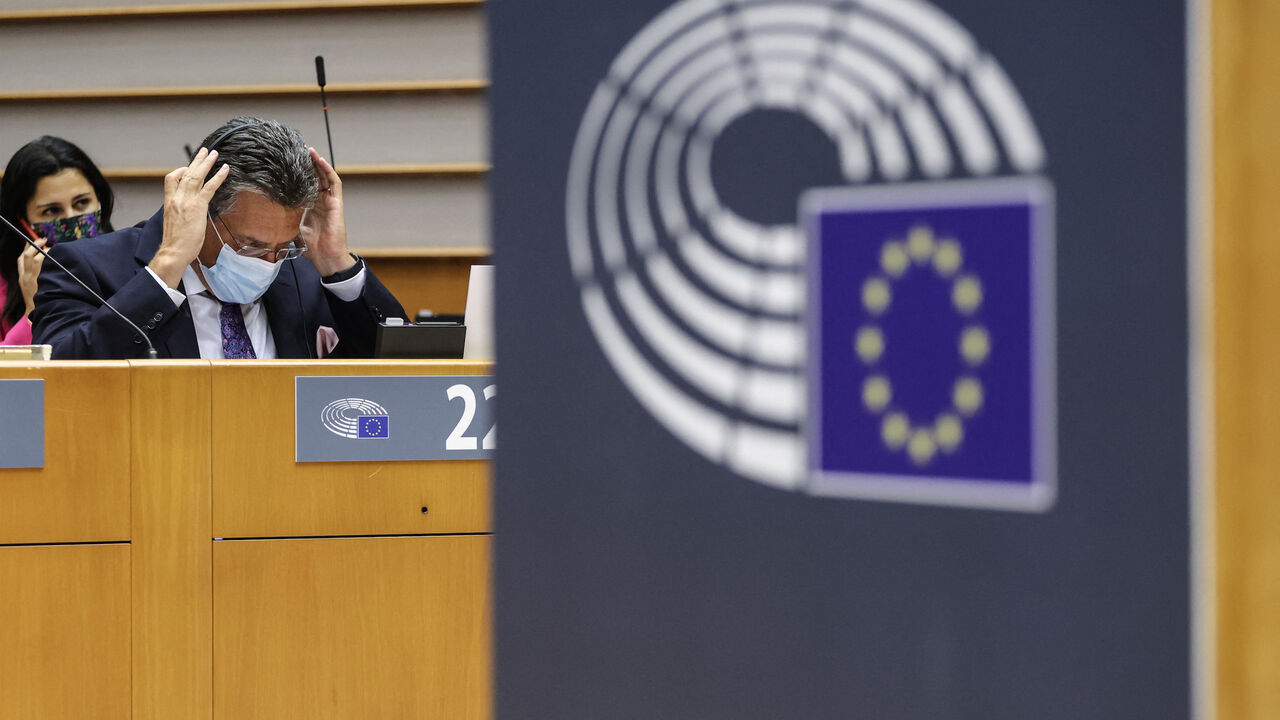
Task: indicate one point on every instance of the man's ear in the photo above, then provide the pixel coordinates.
(212, 245)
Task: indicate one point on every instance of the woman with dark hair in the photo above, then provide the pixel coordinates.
(55, 193)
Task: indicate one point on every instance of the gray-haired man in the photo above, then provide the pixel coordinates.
(247, 259)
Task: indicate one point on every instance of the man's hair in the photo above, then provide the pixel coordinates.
(265, 157)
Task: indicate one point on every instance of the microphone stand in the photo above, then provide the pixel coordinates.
(324, 102)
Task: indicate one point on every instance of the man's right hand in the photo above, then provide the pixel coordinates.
(186, 209)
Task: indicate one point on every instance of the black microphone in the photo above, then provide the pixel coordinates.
(151, 349)
(324, 102)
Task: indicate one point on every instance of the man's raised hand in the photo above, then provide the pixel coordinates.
(327, 239)
(186, 207)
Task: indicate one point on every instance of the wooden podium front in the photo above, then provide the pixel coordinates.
(172, 560)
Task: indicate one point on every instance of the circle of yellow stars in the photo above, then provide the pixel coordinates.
(923, 441)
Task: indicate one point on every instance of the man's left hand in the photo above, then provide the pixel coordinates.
(326, 228)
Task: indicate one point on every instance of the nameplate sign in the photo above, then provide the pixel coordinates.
(360, 419)
(21, 424)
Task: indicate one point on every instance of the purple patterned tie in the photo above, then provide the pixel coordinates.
(235, 336)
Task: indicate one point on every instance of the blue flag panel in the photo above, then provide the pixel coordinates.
(931, 328)
(375, 426)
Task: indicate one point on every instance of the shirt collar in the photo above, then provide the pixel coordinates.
(191, 283)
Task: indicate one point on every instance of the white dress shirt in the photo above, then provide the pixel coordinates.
(206, 312)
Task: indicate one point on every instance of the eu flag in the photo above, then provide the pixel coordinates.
(932, 316)
(374, 426)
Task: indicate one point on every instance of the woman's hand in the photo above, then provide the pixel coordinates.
(29, 264)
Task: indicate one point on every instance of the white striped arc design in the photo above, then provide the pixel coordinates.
(718, 300)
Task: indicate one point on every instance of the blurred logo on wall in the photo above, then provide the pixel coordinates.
(703, 311)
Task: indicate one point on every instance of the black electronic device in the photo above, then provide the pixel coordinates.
(417, 341)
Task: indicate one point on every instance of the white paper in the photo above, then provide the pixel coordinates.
(479, 317)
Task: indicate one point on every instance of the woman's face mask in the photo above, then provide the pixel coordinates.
(63, 206)
(67, 229)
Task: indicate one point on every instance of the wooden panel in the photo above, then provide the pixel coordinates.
(82, 494)
(172, 554)
(1246, 184)
(352, 628)
(436, 283)
(64, 632)
(259, 491)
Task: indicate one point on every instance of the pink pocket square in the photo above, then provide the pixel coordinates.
(326, 341)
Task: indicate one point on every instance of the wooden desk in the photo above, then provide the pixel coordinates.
(352, 628)
(259, 491)
(64, 631)
(82, 494)
(147, 596)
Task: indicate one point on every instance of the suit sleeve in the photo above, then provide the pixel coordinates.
(357, 321)
(78, 327)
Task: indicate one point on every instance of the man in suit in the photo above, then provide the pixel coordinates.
(250, 261)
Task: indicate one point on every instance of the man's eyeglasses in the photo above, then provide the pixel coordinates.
(287, 252)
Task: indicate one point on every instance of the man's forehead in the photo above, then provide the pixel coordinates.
(255, 218)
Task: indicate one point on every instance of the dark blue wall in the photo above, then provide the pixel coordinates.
(635, 579)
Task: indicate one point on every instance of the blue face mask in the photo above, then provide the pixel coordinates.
(239, 279)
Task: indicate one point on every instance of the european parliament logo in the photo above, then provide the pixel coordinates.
(356, 419)
(932, 343)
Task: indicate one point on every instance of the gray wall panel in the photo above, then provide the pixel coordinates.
(381, 212)
(358, 46)
(417, 212)
(366, 129)
(250, 49)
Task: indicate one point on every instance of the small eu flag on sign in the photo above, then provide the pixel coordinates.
(932, 343)
(374, 426)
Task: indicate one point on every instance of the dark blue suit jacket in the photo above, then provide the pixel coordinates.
(79, 328)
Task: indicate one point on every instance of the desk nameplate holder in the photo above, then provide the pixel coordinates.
(21, 424)
(362, 419)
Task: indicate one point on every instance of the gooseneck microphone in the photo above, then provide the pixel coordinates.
(151, 349)
(324, 103)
